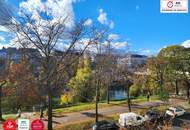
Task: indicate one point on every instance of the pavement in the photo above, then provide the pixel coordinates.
(90, 114)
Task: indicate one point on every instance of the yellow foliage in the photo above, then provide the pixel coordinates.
(66, 98)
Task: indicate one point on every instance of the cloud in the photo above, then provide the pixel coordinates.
(120, 45)
(186, 44)
(4, 45)
(2, 39)
(3, 29)
(88, 22)
(137, 7)
(144, 51)
(111, 24)
(102, 18)
(53, 9)
(113, 36)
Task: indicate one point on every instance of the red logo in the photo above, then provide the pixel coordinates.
(37, 125)
(9, 125)
(170, 4)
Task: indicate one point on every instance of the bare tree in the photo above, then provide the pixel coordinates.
(5, 12)
(109, 67)
(45, 36)
(125, 78)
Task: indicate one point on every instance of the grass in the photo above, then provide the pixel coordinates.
(90, 106)
(86, 106)
(9, 116)
(144, 99)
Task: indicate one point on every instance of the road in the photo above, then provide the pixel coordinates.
(90, 114)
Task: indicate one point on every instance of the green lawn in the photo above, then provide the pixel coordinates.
(86, 106)
(89, 106)
(9, 116)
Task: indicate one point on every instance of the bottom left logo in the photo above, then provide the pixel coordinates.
(9, 125)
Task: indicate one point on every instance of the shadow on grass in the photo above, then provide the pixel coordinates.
(92, 115)
(177, 122)
(186, 116)
(59, 116)
(180, 120)
(55, 122)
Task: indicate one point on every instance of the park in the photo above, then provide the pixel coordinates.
(78, 74)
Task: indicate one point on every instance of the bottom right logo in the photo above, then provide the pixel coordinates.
(37, 125)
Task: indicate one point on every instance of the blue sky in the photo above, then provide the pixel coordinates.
(138, 22)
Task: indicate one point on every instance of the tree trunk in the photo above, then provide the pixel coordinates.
(41, 111)
(187, 91)
(176, 87)
(1, 117)
(97, 99)
(128, 99)
(161, 82)
(108, 95)
(49, 109)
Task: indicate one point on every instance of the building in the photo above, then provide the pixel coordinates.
(15, 55)
(133, 60)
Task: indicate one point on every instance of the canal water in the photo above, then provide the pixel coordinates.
(118, 94)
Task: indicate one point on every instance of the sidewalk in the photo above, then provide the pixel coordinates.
(89, 114)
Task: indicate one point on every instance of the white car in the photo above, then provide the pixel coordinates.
(130, 119)
(175, 111)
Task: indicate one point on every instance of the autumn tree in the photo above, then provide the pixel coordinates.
(185, 69)
(81, 83)
(23, 85)
(177, 59)
(158, 67)
(173, 58)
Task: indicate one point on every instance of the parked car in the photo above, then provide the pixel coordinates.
(175, 111)
(130, 119)
(105, 125)
(152, 115)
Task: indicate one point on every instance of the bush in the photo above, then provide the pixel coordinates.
(164, 95)
(134, 91)
(66, 99)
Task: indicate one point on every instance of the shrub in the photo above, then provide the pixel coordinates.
(134, 91)
(164, 95)
(66, 99)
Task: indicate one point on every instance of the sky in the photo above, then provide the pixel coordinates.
(136, 22)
